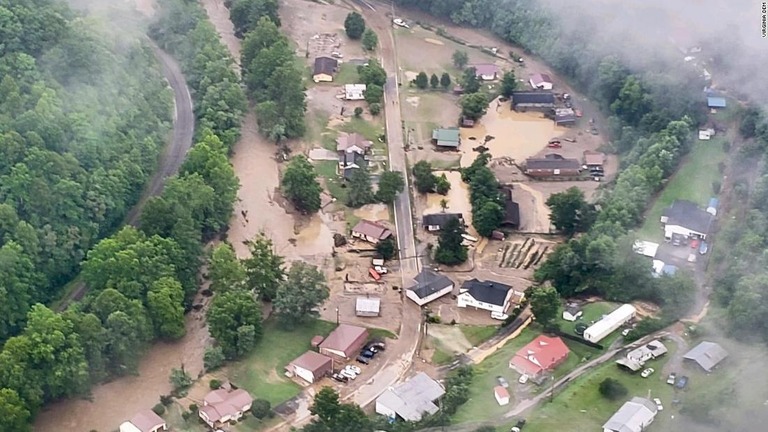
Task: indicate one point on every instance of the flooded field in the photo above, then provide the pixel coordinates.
(457, 197)
(516, 135)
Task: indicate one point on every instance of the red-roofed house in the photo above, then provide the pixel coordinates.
(221, 406)
(543, 354)
(486, 71)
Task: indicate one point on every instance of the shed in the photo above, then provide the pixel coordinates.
(354, 92)
(609, 323)
(541, 81)
(572, 312)
(310, 366)
(716, 102)
(436, 221)
(324, 69)
(511, 209)
(707, 355)
(565, 116)
(368, 306)
(144, 421)
(412, 399)
(446, 138)
(316, 340)
(646, 248)
(502, 395)
(344, 341)
(704, 135)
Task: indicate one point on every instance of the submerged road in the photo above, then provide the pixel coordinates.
(172, 157)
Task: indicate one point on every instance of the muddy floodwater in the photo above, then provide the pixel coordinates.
(457, 197)
(516, 135)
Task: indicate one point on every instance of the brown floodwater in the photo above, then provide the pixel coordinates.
(517, 135)
(457, 197)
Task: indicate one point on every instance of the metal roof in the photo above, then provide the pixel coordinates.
(707, 355)
(413, 398)
(633, 416)
(429, 282)
(716, 102)
(368, 304)
(448, 137)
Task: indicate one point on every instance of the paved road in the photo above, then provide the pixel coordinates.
(172, 157)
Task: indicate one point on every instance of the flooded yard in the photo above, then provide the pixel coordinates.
(457, 198)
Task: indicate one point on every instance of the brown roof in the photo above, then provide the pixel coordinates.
(146, 420)
(325, 65)
(593, 158)
(372, 229)
(540, 79)
(344, 338)
(501, 392)
(221, 403)
(485, 69)
(354, 139)
(548, 163)
(313, 362)
(316, 340)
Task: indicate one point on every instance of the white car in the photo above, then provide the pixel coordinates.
(625, 332)
(658, 404)
(646, 373)
(523, 379)
(348, 373)
(354, 369)
(400, 23)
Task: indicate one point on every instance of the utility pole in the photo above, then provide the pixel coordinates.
(552, 389)
(337, 316)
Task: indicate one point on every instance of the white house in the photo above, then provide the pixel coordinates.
(412, 399)
(494, 297)
(687, 219)
(310, 366)
(636, 358)
(599, 330)
(634, 416)
(502, 395)
(354, 92)
(429, 286)
(572, 312)
(222, 406)
(368, 306)
(144, 421)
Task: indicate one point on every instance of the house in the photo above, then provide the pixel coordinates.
(707, 355)
(324, 69)
(511, 209)
(371, 232)
(344, 341)
(436, 221)
(354, 92)
(686, 218)
(486, 71)
(541, 355)
(541, 82)
(353, 142)
(593, 160)
(502, 395)
(636, 358)
(222, 406)
(599, 330)
(634, 416)
(565, 116)
(716, 102)
(537, 100)
(351, 162)
(494, 297)
(429, 286)
(661, 268)
(367, 306)
(646, 248)
(412, 399)
(310, 366)
(446, 138)
(552, 165)
(572, 312)
(144, 421)
(705, 135)
(712, 206)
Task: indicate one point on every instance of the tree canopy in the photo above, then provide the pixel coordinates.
(234, 320)
(303, 290)
(545, 304)
(450, 250)
(300, 185)
(370, 40)
(391, 183)
(354, 25)
(571, 213)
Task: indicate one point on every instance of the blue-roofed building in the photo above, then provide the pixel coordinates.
(716, 102)
(712, 206)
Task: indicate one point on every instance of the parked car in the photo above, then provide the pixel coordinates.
(659, 406)
(703, 248)
(379, 346)
(580, 328)
(502, 381)
(363, 360)
(677, 239)
(381, 270)
(348, 373)
(354, 369)
(367, 354)
(695, 243)
(523, 379)
(646, 373)
(681, 382)
(671, 378)
(340, 378)
(626, 331)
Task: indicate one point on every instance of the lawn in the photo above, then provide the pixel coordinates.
(693, 182)
(347, 75)
(581, 407)
(327, 170)
(592, 312)
(261, 373)
(478, 334)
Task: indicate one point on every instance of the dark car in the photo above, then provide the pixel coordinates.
(379, 346)
(363, 360)
(681, 382)
(367, 354)
(340, 378)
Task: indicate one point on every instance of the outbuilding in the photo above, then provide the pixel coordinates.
(344, 341)
(310, 366)
(446, 138)
(572, 312)
(325, 68)
(502, 395)
(599, 330)
(436, 221)
(716, 102)
(552, 165)
(533, 100)
(429, 286)
(686, 218)
(368, 306)
(707, 355)
(144, 421)
(634, 416)
(541, 82)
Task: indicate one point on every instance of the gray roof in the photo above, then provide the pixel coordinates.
(632, 416)
(368, 304)
(440, 219)
(533, 97)
(548, 163)
(413, 398)
(689, 215)
(707, 355)
(487, 291)
(653, 349)
(325, 65)
(429, 282)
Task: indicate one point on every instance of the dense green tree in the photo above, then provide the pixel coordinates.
(263, 268)
(225, 270)
(372, 73)
(474, 105)
(264, 35)
(387, 248)
(17, 289)
(570, 212)
(180, 379)
(303, 290)
(14, 412)
(470, 82)
(612, 389)
(487, 218)
(421, 81)
(545, 304)
(434, 81)
(261, 408)
(165, 305)
(354, 25)
(246, 13)
(442, 184)
(332, 415)
(450, 250)
(360, 191)
(93, 339)
(213, 358)
(423, 178)
(632, 102)
(445, 80)
(374, 93)
(300, 185)
(126, 340)
(234, 320)
(370, 40)
(508, 84)
(460, 59)
(391, 183)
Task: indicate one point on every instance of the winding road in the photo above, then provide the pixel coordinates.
(171, 159)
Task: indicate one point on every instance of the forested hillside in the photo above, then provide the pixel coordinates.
(82, 121)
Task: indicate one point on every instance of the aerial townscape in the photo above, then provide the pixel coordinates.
(383, 216)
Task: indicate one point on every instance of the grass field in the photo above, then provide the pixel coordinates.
(693, 182)
(478, 334)
(347, 75)
(261, 373)
(592, 312)
(327, 170)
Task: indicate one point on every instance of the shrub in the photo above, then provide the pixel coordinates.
(375, 108)
(261, 408)
(358, 111)
(159, 409)
(214, 384)
(193, 407)
(166, 399)
(213, 358)
(612, 389)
